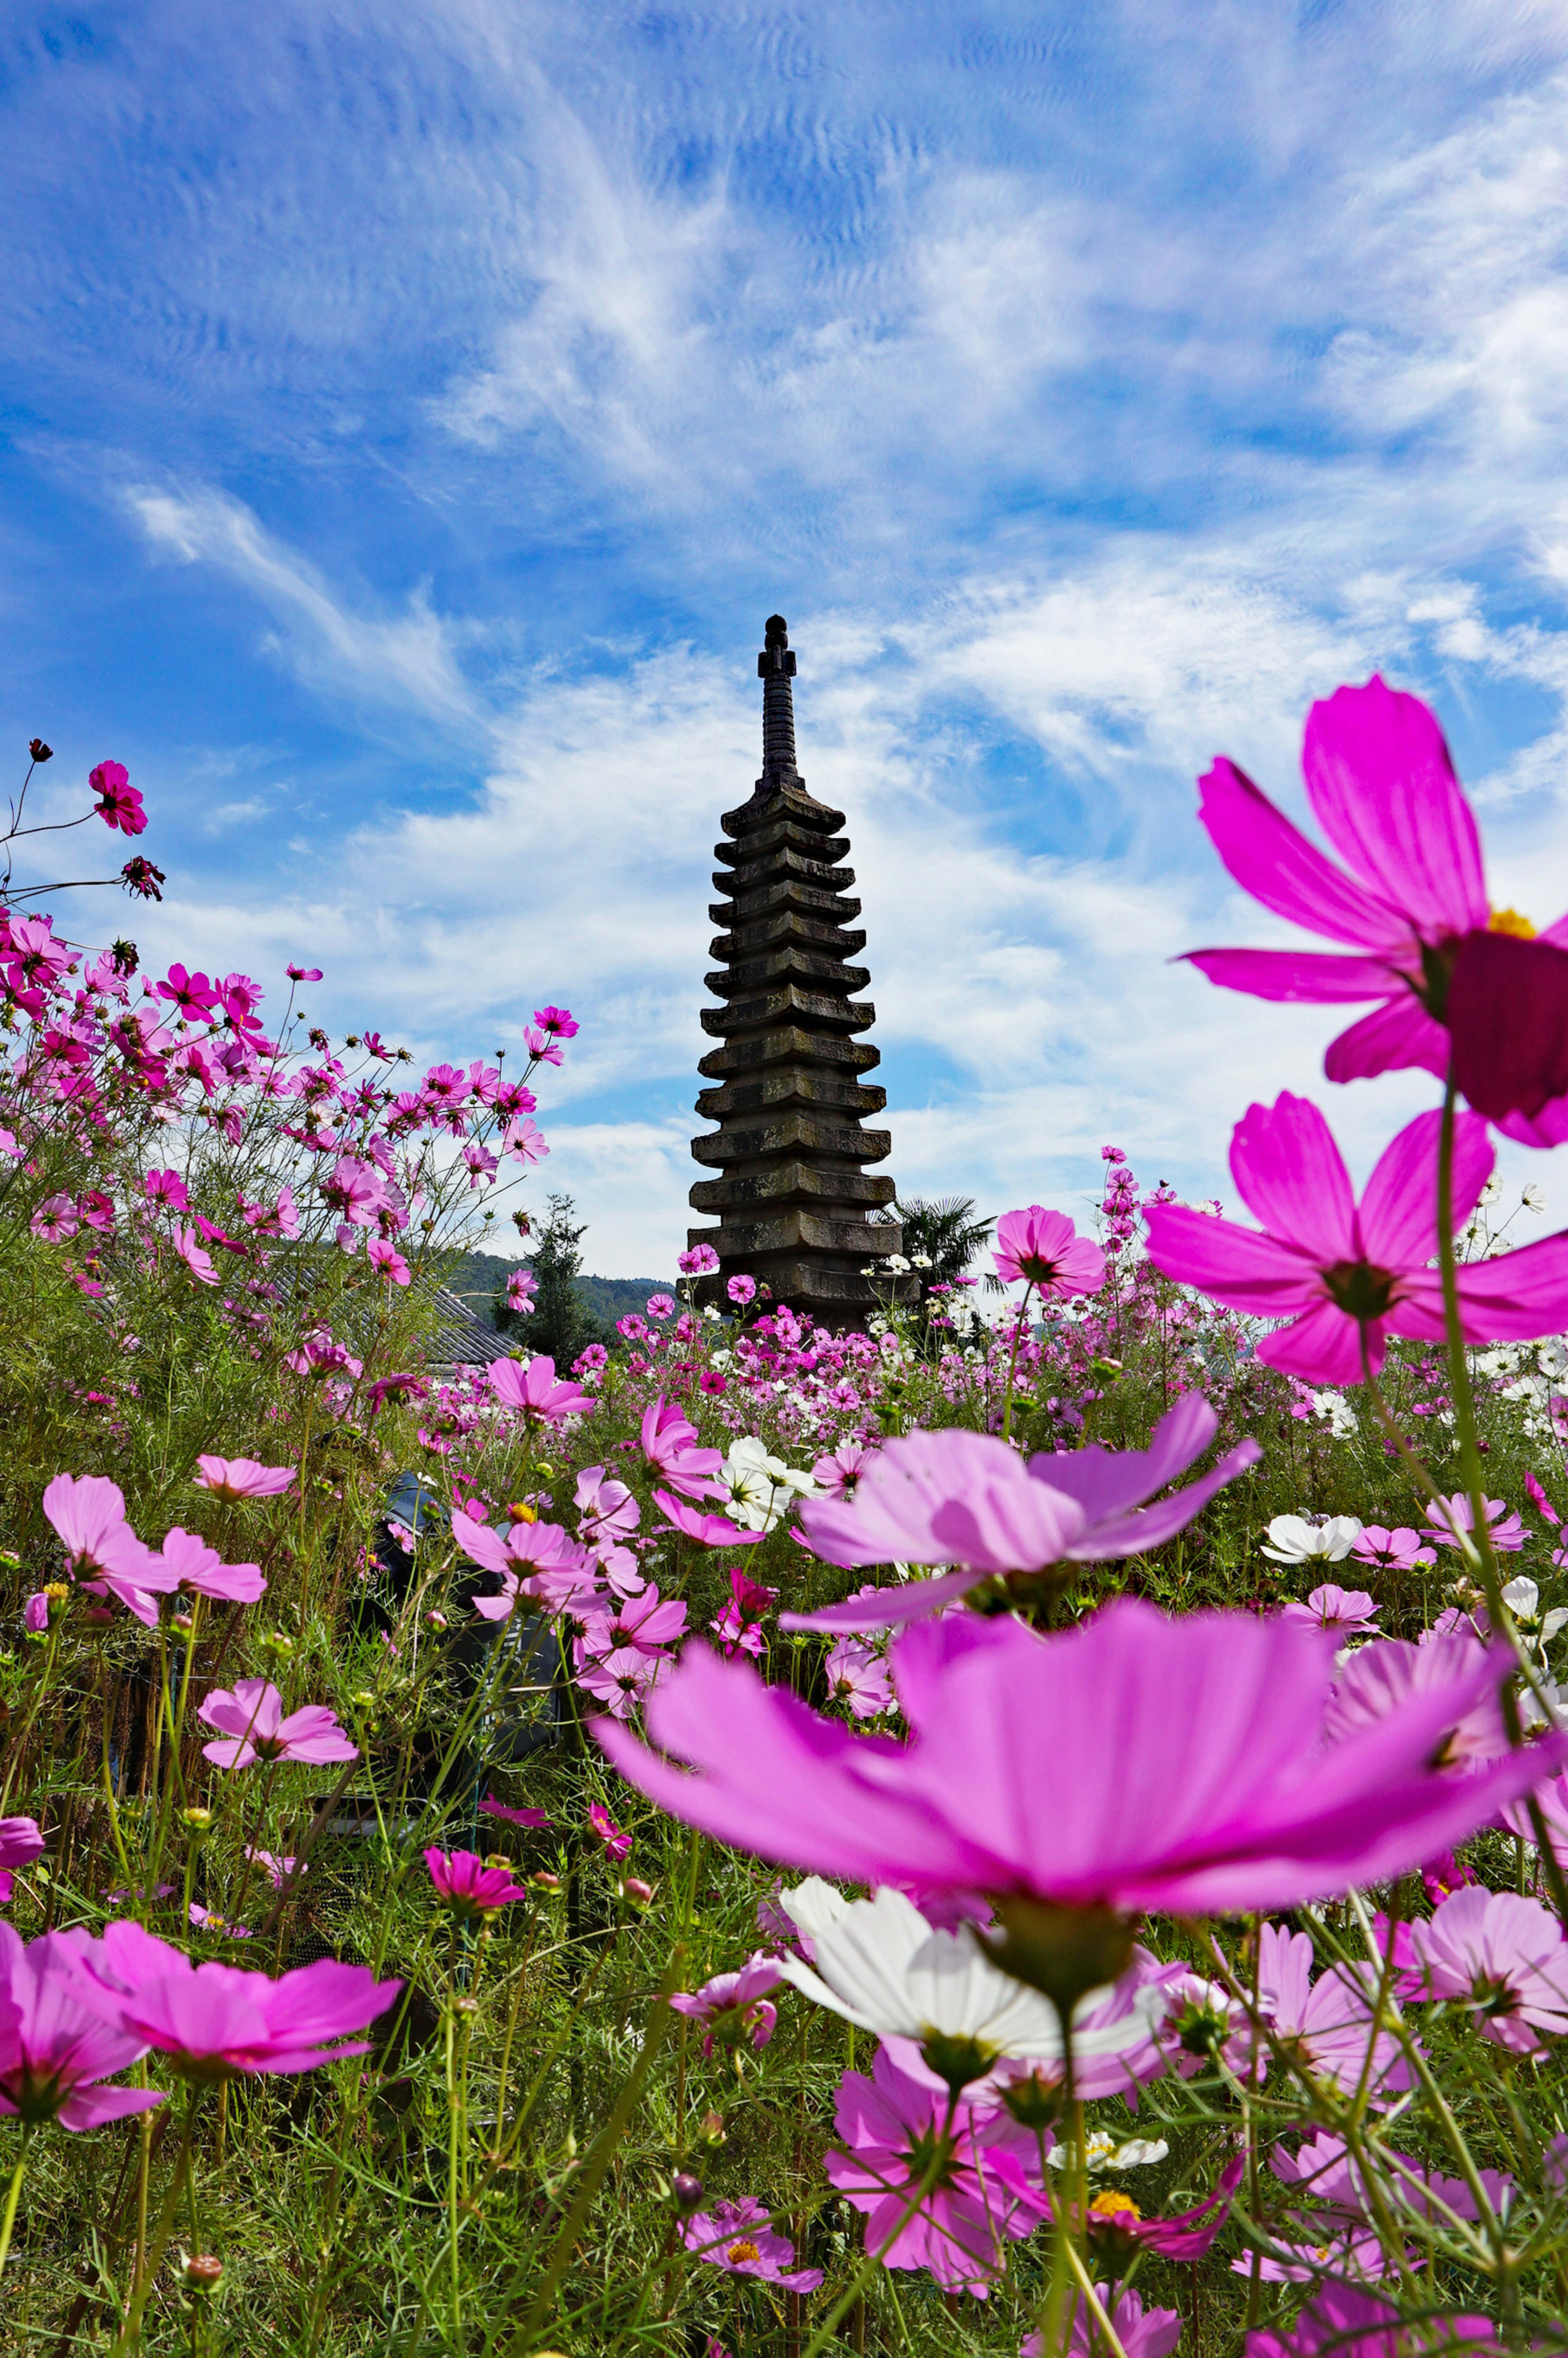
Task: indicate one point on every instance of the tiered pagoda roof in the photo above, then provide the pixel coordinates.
(793, 1192)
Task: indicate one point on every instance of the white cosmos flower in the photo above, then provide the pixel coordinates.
(1102, 2152)
(880, 1964)
(1298, 1539)
(759, 1486)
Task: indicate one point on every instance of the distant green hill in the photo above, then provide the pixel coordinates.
(476, 1275)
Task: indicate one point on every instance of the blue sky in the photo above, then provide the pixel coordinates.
(412, 412)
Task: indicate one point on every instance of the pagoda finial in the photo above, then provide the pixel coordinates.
(775, 670)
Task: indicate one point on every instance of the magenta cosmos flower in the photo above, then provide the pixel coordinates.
(1503, 1956)
(534, 1391)
(1186, 1760)
(707, 1531)
(254, 1728)
(234, 1479)
(119, 802)
(733, 2007)
(889, 2125)
(468, 1886)
(490, 1808)
(737, 2236)
(1143, 2332)
(1382, 787)
(1118, 2230)
(59, 2037)
(1045, 1250)
(1345, 1275)
(215, 2021)
(674, 1453)
(20, 1844)
(1340, 2321)
(950, 1497)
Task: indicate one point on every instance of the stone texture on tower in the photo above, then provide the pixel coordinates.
(793, 1192)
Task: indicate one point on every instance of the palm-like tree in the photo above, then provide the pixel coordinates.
(946, 1230)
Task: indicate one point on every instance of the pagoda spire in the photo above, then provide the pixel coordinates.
(792, 1193)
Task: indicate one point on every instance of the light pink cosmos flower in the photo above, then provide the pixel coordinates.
(1322, 2167)
(741, 1290)
(1346, 1611)
(101, 1549)
(707, 1531)
(490, 1808)
(672, 1449)
(1326, 2026)
(733, 2007)
(254, 1728)
(214, 2021)
(1189, 1763)
(55, 1220)
(468, 1887)
(20, 1844)
(521, 1288)
(622, 1680)
(1397, 1551)
(1382, 1679)
(642, 1622)
(534, 1391)
(1044, 1250)
(1505, 1957)
(986, 2195)
(524, 1141)
(1141, 2332)
(234, 1479)
(700, 1261)
(278, 1871)
(951, 1497)
(202, 1570)
(187, 1244)
(1381, 786)
(860, 1678)
(1348, 1275)
(737, 2236)
(1452, 1517)
(59, 2037)
(837, 1475)
(607, 1514)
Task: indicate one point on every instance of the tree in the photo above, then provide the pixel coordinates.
(945, 1229)
(562, 1324)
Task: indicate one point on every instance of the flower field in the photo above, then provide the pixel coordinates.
(1039, 1827)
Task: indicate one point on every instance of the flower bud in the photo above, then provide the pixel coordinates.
(276, 1642)
(635, 1892)
(544, 1881)
(203, 2271)
(685, 2192)
(710, 2128)
(198, 1820)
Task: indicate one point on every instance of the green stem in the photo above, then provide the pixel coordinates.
(1012, 1360)
(13, 2196)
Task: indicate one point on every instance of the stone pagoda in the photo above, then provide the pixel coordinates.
(793, 1192)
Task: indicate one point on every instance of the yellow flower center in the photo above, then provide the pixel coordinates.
(1110, 2203)
(737, 2253)
(1508, 921)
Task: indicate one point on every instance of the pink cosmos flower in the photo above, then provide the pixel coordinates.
(1326, 2026)
(888, 2123)
(1450, 1517)
(607, 1514)
(1344, 1611)
(303, 973)
(278, 1871)
(101, 1549)
(1119, 2231)
(741, 1290)
(1346, 1276)
(621, 1680)
(1505, 1956)
(533, 1391)
(1552, 1800)
(254, 1728)
(1399, 1550)
(119, 802)
(860, 1678)
(468, 1887)
(737, 2237)
(187, 1244)
(700, 1261)
(1382, 787)
(234, 1479)
(1322, 2168)
(1541, 1503)
(490, 1808)
(559, 1022)
(385, 1258)
(733, 2008)
(641, 1621)
(55, 1220)
(1044, 1250)
(1382, 1679)
(1142, 2333)
(1341, 2320)
(951, 1497)
(20, 1844)
(1507, 998)
(1189, 1763)
(166, 1187)
(707, 1531)
(524, 1141)
(215, 2021)
(59, 2037)
(661, 1305)
(603, 1828)
(202, 1570)
(837, 1475)
(521, 1287)
(671, 1447)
